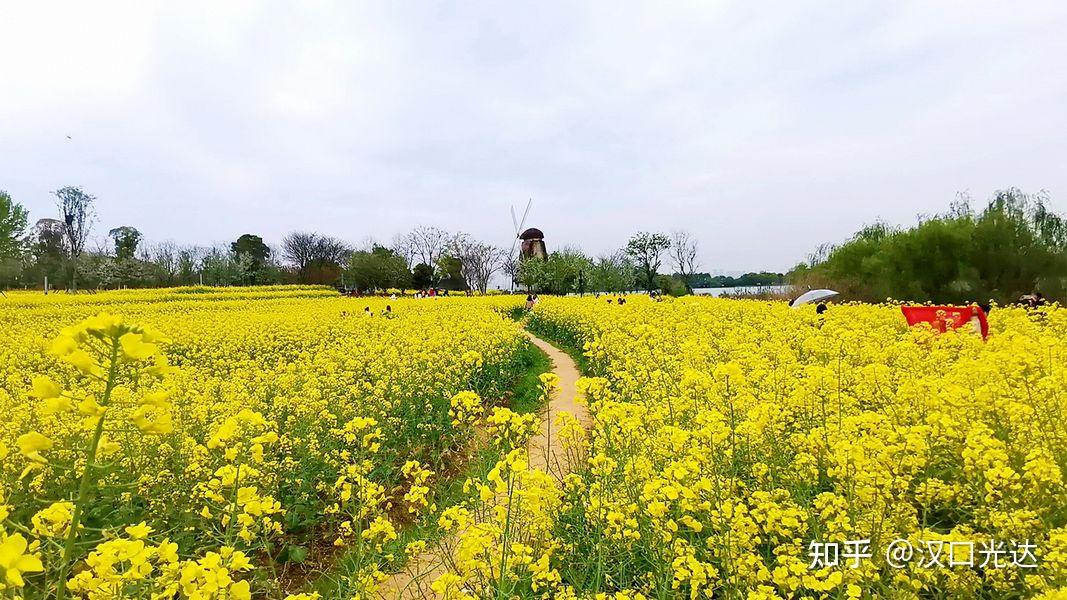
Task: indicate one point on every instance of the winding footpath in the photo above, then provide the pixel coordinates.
(546, 453)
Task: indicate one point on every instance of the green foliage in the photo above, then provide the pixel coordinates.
(422, 276)
(12, 239)
(126, 239)
(379, 269)
(251, 261)
(706, 280)
(450, 270)
(672, 286)
(47, 254)
(12, 227)
(1013, 247)
(646, 250)
(560, 273)
(251, 246)
(615, 273)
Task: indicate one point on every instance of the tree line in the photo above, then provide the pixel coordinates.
(635, 266)
(761, 279)
(1015, 245)
(58, 250)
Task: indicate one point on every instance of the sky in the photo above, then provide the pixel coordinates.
(763, 129)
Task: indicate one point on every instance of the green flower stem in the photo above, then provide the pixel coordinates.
(87, 479)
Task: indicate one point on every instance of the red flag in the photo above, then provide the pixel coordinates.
(942, 318)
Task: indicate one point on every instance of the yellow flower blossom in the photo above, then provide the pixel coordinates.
(15, 561)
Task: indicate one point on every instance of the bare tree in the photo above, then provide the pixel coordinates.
(307, 251)
(366, 244)
(330, 251)
(509, 265)
(683, 254)
(428, 244)
(165, 256)
(401, 245)
(190, 263)
(477, 261)
(299, 249)
(76, 209)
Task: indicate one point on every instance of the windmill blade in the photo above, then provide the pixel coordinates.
(515, 224)
(519, 225)
(525, 213)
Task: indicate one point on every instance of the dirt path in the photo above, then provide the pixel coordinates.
(546, 453)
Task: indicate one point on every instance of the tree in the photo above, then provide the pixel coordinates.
(299, 249)
(190, 261)
(646, 250)
(328, 256)
(426, 244)
(378, 269)
(165, 262)
(12, 238)
(12, 227)
(450, 273)
(251, 246)
(47, 249)
(1013, 247)
(510, 267)
(478, 261)
(683, 254)
(761, 279)
(422, 276)
(126, 239)
(560, 273)
(402, 246)
(252, 258)
(612, 273)
(317, 258)
(76, 210)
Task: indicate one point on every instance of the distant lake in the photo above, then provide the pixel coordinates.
(751, 289)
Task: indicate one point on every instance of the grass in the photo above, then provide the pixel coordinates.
(563, 343)
(525, 397)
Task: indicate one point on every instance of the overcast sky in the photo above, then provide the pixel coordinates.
(764, 129)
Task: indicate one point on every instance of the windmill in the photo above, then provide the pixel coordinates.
(518, 224)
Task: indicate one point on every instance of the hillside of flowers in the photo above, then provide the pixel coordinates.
(736, 443)
(197, 442)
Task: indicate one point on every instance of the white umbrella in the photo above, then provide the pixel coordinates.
(813, 296)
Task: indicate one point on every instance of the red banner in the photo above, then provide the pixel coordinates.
(943, 318)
